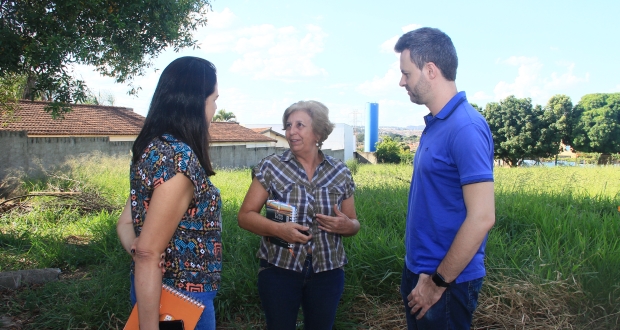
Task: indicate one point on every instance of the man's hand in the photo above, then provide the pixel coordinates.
(425, 294)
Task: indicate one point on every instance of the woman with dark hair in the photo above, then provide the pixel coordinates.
(310, 273)
(179, 242)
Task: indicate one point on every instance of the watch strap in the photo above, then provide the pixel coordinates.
(439, 280)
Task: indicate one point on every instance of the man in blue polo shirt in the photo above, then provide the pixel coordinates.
(451, 201)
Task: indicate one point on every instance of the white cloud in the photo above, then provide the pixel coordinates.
(382, 85)
(99, 84)
(220, 20)
(411, 27)
(275, 53)
(218, 42)
(339, 86)
(565, 80)
(388, 45)
(246, 107)
(400, 113)
(269, 52)
(480, 96)
(530, 81)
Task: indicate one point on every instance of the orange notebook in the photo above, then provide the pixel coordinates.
(173, 305)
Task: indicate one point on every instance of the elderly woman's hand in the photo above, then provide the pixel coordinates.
(294, 233)
(340, 224)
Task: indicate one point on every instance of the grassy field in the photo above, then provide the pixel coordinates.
(553, 256)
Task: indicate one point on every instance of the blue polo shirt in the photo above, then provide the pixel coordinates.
(456, 149)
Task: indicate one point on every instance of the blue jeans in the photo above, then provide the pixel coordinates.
(282, 291)
(207, 319)
(454, 310)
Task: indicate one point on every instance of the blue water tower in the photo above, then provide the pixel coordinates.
(371, 136)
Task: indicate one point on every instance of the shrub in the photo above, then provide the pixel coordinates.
(388, 151)
(353, 165)
(406, 157)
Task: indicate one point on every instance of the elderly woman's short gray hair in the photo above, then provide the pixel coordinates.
(321, 126)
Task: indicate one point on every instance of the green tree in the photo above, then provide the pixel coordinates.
(223, 115)
(562, 107)
(11, 88)
(388, 150)
(521, 131)
(41, 39)
(598, 125)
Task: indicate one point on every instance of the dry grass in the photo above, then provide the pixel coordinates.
(509, 303)
(84, 201)
(505, 303)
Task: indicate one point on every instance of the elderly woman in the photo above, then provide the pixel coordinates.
(310, 273)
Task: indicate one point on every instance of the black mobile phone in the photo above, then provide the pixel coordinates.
(171, 325)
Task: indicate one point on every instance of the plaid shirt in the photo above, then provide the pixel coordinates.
(285, 180)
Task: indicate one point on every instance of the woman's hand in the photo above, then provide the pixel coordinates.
(344, 223)
(293, 233)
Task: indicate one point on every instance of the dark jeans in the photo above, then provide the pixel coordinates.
(453, 310)
(282, 291)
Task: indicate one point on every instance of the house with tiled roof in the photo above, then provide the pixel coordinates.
(280, 138)
(32, 139)
(231, 133)
(116, 123)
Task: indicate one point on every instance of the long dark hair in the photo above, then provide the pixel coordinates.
(178, 108)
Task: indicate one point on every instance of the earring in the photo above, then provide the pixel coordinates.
(317, 144)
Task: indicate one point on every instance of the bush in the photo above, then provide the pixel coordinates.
(406, 157)
(388, 151)
(353, 165)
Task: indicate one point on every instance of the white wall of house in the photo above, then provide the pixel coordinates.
(342, 138)
(112, 138)
(246, 144)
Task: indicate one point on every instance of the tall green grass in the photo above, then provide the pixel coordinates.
(552, 223)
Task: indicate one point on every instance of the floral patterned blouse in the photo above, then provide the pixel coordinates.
(193, 259)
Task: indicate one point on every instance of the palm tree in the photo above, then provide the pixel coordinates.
(223, 115)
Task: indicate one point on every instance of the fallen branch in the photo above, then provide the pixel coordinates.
(43, 193)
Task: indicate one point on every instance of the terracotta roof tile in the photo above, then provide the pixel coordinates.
(233, 132)
(109, 121)
(262, 130)
(83, 120)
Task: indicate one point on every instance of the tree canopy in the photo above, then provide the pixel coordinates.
(598, 126)
(224, 115)
(41, 39)
(521, 131)
(562, 107)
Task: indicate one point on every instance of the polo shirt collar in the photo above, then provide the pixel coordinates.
(449, 108)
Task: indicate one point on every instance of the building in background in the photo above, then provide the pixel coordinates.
(270, 133)
(341, 138)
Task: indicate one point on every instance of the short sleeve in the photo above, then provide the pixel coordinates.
(176, 158)
(472, 151)
(262, 174)
(349, 183)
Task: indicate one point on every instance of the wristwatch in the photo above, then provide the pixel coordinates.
(439, 280)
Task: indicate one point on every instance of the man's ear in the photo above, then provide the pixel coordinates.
(432, 70)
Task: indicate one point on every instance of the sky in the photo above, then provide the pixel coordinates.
(272, 53)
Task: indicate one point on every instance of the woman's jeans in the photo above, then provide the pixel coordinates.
(282, 291)
(453, 310)
(207, 319)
